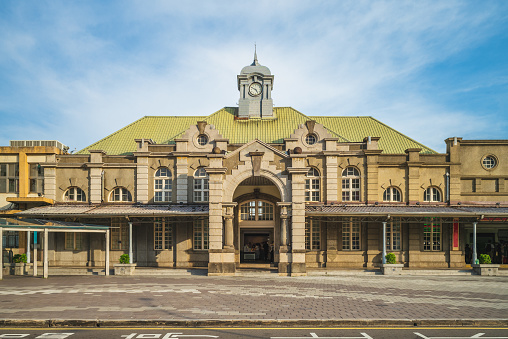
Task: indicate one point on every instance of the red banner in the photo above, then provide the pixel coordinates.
(455, 234)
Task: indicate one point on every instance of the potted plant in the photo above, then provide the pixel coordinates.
(485, 266)
(124, 267)
(19, 264)
(391, 267)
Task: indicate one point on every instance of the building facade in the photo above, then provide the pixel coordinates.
(264, 184)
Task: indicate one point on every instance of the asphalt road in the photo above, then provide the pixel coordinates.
(251, 333)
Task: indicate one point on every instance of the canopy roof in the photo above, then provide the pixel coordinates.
(477, 212)
(164, 129)
(39, 224)
(115, 210)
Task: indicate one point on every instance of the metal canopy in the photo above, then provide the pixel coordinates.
(44, 227)
(408, 213)
(25, 224)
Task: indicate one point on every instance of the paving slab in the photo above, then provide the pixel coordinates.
(260, 300)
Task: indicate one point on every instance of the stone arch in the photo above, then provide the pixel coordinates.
(233, 182)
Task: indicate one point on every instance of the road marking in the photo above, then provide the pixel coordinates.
(477, 335)
(314, 335)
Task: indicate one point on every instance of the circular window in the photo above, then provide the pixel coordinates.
(202, 139)
(311, 139)
(489, 162)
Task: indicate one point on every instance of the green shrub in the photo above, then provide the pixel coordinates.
(124, 259)
(485, 259)
(390, 258)
(19, 258)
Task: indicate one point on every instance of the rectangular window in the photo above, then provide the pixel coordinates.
(163, 234)
(119, 234)
(200, 235)
(312, 190)
(432, 234)
(393, 237)
(73, 241)
(351, 235)
(9, 178)
(312, 235)
(10, 239)
(36, 178)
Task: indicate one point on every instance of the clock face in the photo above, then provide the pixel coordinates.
(255, 89)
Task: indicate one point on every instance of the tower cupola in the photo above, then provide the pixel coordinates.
(255, 84)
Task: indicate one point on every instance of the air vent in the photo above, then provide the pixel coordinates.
(33, 143)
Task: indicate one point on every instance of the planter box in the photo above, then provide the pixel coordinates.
(485, 269)
(124, 269)
(391, 269)
(19, 268)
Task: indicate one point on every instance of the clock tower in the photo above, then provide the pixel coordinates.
(255, 84)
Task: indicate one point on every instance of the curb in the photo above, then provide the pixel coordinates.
(63, 323)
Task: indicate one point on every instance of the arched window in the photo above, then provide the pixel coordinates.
(312, 185)
(200, 185)
(432, 194)
(392, 193)
(256, 210)
(120, 194)
(74, 194)
(163, 184)
(350, 184)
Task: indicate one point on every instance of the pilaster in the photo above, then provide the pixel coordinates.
(181, 179)
(298, 217)
(413, 167)
(453, 150)
(372, 184)
(50, 182)
(331, 180)
(95, 173)
(142, 180)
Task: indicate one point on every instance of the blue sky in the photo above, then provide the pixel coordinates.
(76, 71)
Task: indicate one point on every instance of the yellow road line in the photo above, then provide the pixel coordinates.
(250, 328)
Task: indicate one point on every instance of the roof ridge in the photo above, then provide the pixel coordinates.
(112, 134)
(400, 133)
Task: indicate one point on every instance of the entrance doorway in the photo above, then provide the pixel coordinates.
(257, 247)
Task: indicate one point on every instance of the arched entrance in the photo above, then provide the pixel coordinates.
(256, 221)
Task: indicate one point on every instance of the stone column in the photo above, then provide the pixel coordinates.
(221, 259)
(284, 248)
(228, 230)
(297, 258)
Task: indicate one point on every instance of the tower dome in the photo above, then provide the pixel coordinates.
(255, 67)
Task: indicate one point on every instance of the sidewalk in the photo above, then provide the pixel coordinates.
(254, 300)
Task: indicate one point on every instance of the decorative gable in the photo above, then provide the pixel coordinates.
(312, 137)
(201, 137)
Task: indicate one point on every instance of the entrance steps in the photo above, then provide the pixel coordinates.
(341, 272)
(255, 269)
(168, 271)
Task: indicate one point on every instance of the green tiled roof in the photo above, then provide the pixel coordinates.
(164, 130)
